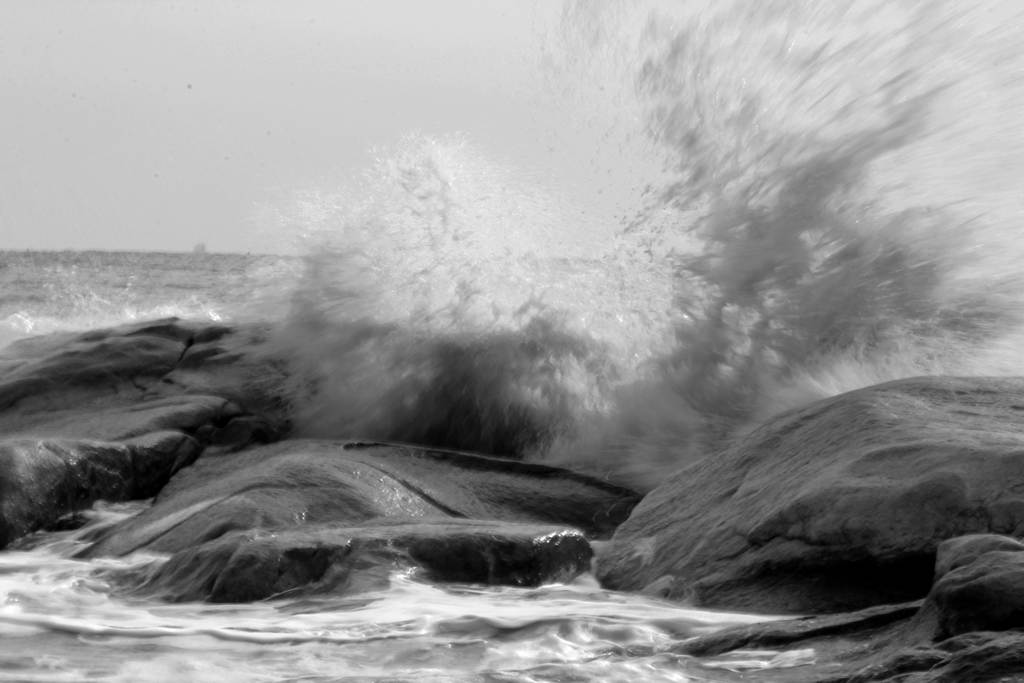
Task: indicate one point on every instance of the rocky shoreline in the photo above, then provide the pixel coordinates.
(891, 514)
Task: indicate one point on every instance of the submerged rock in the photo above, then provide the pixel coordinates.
(836, 506)
(299, 482)
(42, 480)
(254, 565)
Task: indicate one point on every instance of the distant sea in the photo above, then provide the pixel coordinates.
(47, 291)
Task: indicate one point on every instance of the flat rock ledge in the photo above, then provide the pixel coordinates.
(261, 564)
(970, 627)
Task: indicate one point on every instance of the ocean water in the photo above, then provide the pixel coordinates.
(780, 201)
(59, 622)
(43, 292)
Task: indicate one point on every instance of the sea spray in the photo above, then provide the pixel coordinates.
(819, 211)
(823, 164)
(446, 302)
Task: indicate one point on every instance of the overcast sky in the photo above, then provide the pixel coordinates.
(155, 125)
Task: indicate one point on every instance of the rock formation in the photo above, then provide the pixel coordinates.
(180, 411)
(836, 506)
(891, 513)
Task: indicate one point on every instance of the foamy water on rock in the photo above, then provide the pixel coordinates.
(59, 622)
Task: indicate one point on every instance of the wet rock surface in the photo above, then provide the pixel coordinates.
(837, 506)
(43, 479)
(98, 415)
(255, 565)
(979, 585)
(786, 632)
(298, 482)
(861, 653)
(967, 629)
(910, 492)
(985, 657)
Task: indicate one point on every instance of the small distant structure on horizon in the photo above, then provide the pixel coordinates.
(200, 248)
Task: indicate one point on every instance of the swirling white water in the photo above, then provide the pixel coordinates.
(61, 621)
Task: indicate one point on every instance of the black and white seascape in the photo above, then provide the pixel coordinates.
(500, 341)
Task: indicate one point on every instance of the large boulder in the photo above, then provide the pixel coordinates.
(111, 414)
(255, 565)
(836, 506)
(979, 585)
(311, 482)
(57, 371)
(884, 643)
(43, 480)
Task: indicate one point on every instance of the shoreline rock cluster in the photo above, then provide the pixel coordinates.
(910, 491)
(181, 413)
(890, 514)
